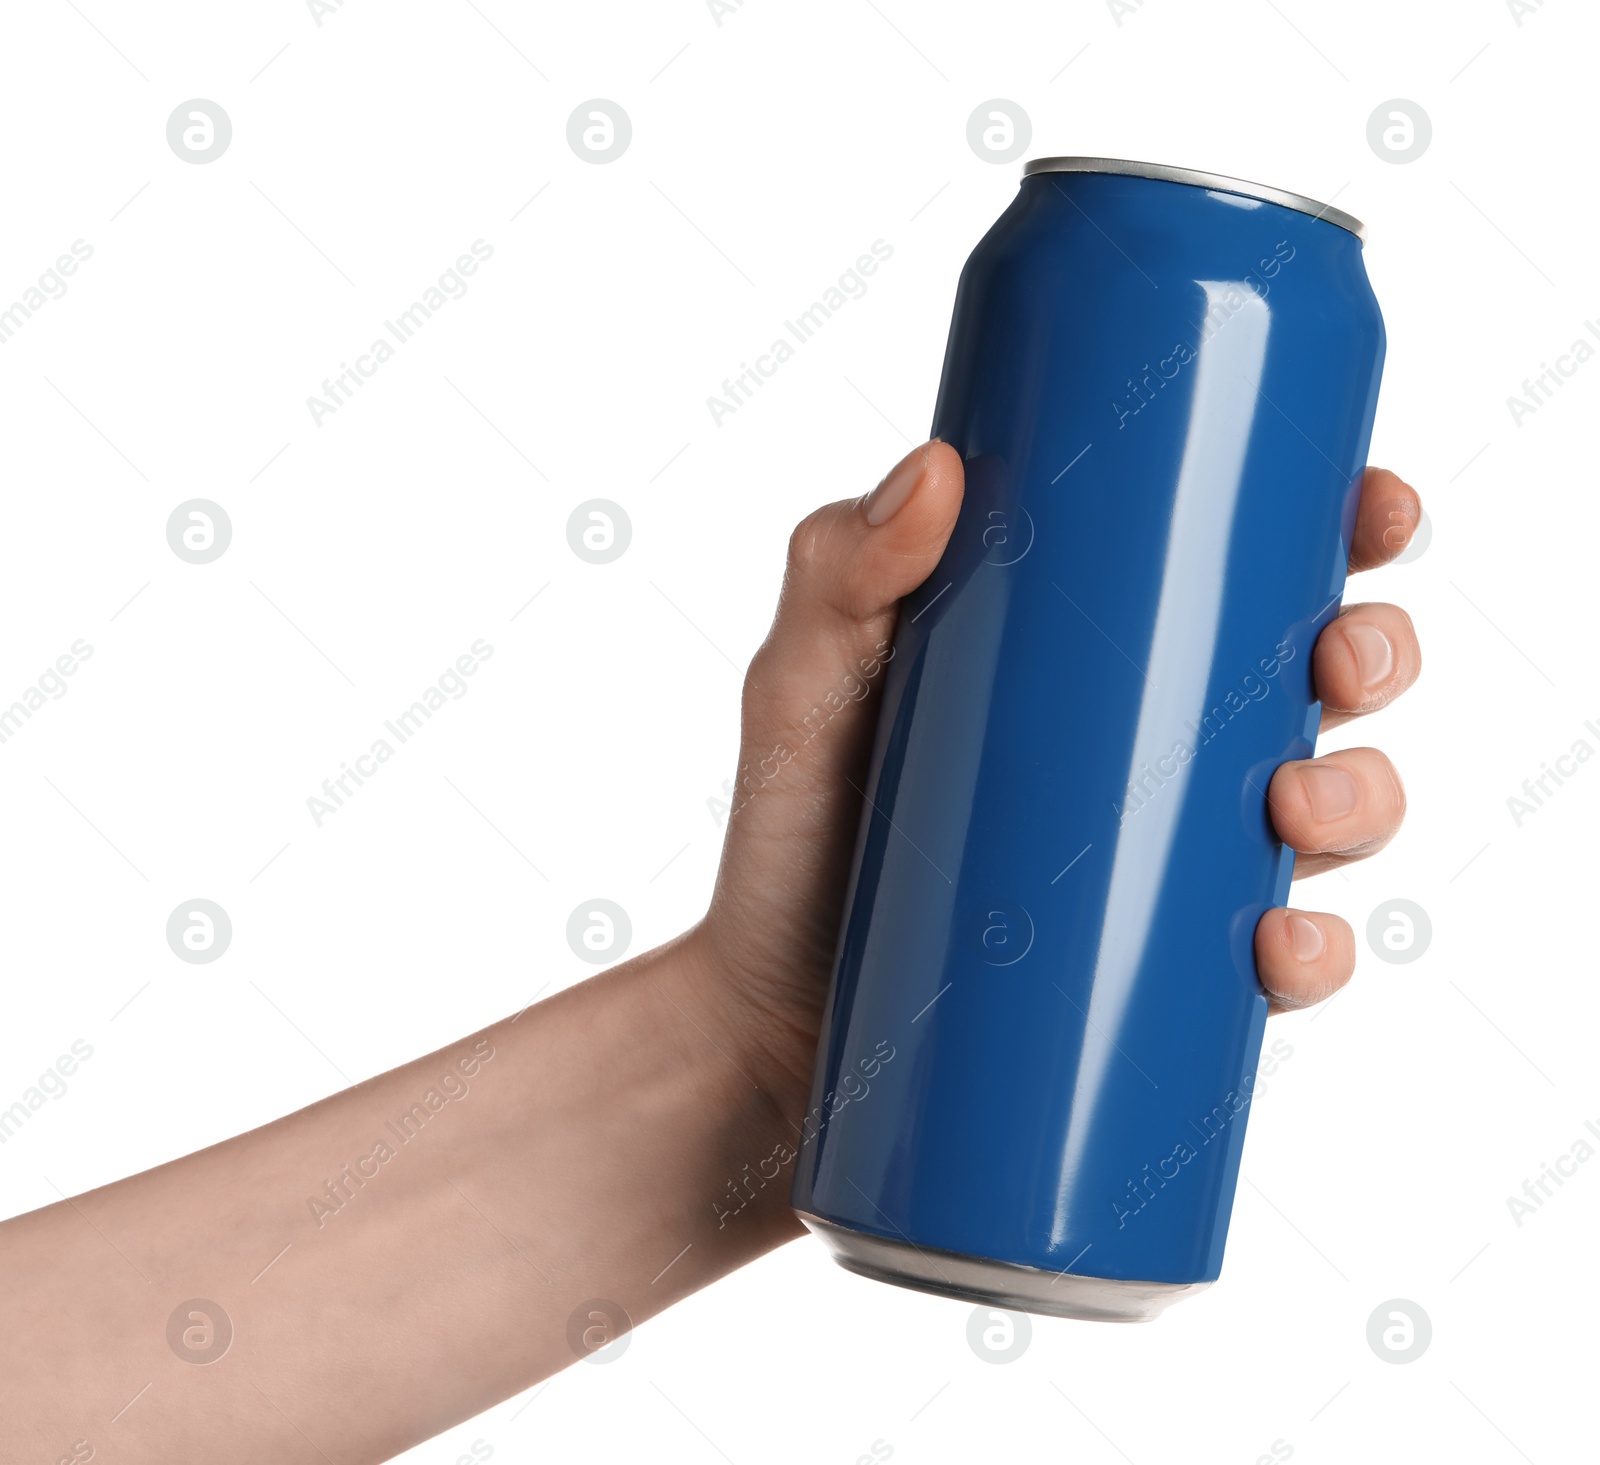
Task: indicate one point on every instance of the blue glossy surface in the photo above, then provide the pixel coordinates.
(1062, 966)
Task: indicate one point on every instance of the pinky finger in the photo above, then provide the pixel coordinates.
(1303, 957)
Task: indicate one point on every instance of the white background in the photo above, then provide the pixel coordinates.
(370, 551)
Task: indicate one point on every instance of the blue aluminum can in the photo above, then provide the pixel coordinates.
(1044, 1026)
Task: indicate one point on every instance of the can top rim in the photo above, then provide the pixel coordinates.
(1199, 179)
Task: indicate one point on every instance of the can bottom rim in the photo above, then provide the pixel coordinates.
(1005, 1284)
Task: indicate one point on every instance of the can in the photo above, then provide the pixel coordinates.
(1044, 1024)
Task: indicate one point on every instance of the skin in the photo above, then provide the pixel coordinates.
(585, 1147)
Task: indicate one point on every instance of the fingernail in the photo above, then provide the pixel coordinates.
(1374, 655)
(1331, 789)
(889, 497)
(1305, 935)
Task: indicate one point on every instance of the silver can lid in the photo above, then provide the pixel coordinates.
(1216, 181)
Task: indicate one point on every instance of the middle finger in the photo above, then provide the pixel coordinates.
(1363, 660)
(1336, 809)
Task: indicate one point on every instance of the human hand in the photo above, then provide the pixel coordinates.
(615, 1126)
(769, 937)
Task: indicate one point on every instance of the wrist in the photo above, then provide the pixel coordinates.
(769, 1037)
(755, 1068)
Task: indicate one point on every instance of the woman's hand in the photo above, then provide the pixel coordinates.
(428, 1255)
(770, 934)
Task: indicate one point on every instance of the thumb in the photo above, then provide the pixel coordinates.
(810, 703)
(809, 708)
(809, 695)
(854, 560)
(849, 564)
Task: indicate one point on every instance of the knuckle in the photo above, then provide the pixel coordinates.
(754, 674)
(806, 544)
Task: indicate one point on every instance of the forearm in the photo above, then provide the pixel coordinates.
(406, 1253)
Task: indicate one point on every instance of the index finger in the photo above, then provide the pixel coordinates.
(1386, 519)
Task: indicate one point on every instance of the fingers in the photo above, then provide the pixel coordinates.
(1347, 805)
(1303, 957)
(1386, 519)
(1336, 809)
(1364, 660)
